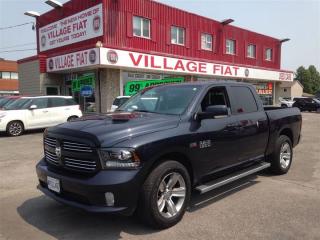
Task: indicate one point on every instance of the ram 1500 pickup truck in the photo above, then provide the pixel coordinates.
(162, 144)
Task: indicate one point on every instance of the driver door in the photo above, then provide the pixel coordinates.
(216, 138)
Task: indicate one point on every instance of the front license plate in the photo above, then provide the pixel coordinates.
(53, 184)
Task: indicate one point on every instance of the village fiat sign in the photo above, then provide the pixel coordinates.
(76, 28)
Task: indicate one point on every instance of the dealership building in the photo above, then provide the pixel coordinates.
(118, 47)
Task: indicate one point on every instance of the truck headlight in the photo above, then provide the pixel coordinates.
(119, 158)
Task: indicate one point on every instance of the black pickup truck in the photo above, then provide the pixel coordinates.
(163, 143)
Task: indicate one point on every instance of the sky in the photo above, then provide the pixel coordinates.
(298, 20)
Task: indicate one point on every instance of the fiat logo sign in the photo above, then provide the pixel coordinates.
(96, 22)
(112, 57)
(50, 64)
(246, 72)
(43, 41)
(92, 56)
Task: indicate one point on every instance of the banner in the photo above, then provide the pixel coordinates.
(75, 28)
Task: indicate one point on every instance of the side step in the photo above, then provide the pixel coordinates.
(232, 177)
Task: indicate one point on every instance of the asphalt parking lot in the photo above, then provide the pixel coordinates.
(259, 207)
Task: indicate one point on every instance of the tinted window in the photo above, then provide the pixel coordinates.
(215, 96)
(244, 101)
(40, 102)
(57, 102)
(70, 102)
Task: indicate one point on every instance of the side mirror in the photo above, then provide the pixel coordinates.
(213, 112)
(32, 107)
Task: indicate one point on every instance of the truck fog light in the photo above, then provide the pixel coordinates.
(109, 199)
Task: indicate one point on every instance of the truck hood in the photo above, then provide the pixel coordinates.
(112, 128)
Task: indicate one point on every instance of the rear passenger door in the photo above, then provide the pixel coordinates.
(252, 123)
(59, 110)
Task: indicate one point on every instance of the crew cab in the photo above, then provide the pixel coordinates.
(164, 143)
(28, 113)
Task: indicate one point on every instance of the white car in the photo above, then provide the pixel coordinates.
(37, 112)
(118, 101)
(286, 102)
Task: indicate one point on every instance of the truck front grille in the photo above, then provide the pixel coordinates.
(70, 155)
(80, 164)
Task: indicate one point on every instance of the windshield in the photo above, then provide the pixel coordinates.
(169, 99)
(18, 104)
(4, 101)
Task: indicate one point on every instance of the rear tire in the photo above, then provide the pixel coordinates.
(15, 128)
(281, 158)
(284, 106)
(72, 118)
(165, 195)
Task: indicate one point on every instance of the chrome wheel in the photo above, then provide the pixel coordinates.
(171, 195)
(285, 155)
(15, 129)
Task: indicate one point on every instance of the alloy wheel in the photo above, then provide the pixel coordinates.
(171, 195)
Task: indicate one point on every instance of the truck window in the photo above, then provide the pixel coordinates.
(215, 96)
(244, 101)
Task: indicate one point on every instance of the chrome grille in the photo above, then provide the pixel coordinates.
(77, 147)
(51, 142)
(51, 157)
(80, 164)
(74, 155)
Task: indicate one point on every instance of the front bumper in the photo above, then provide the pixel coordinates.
(88, 192)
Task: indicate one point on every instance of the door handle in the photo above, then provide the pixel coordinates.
(67, 109)
(45, 111)
(233, 126)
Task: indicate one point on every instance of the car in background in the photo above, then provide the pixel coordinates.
(307, 104)
(118, 101)
(37, 112)
(286, 102)
(7, 100)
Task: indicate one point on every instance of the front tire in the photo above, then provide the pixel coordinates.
(15, 128)
(165, 195)
(281, 158)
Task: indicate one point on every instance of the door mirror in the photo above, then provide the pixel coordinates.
(32, 107)
(213, 112)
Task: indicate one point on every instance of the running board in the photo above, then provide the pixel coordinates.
(232, 177)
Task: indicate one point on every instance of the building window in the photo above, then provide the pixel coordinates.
(177, 35)
(268, 56)
(141, 27)
(6, 75)
(14, 75)
(251, 51)
(206, 41)
(230, 46)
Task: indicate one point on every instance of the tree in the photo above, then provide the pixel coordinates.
(309, 78)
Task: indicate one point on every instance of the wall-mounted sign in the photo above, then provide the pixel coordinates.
(264, 88)
(84, 25)
(73, 60)
(134, 60)
(133, 87)
(86, 91)
(78, 83)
